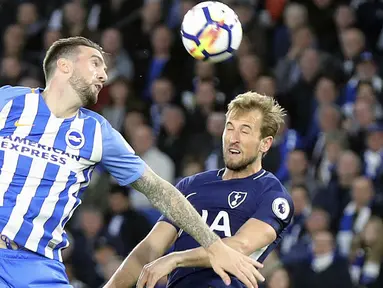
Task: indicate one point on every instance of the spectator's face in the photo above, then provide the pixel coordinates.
(117, 202)
(162, 91)
(244, 48)
(352, 43)
(299, 196)
(375, 141)
(266, 86)
(161, 40)
(192, 168)
(333, 150)
(132, 121)
(347, 167)
(206, 94)
(74, 14)
(242, 139)
(142, 139)
(303, 38)
(366, 70)
(249, 67)
(173, 120)
(11, 68)
(325, 91)
(322, 3)
(91, 223)
(344, 17)
(362, 192)
(204, 70)
(309, 64)
(329, 119)
(297, 163)
(119, 92)
(317, 221)
(295, 16)
(363, 113)
(323, 243)
(104, 254)
(14, 38)
(151, 12)
(372, 232)
(279, 279)
(216, 124)
(27, 14)
(51, 36)
(30, 82)
(111, 41)
(366, 93)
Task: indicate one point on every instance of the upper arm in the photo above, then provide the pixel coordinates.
(160, 239)
(255, 234)
(275, 209)
(119, 158)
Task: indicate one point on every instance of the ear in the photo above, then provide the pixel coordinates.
(266, 144)
(64, 65)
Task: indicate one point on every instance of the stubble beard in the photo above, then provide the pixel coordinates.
(83, 89)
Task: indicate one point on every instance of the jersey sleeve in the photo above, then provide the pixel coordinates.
(8, 93)
(182, 186)
(118, 157)
(276, 209)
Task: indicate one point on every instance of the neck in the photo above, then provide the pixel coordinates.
(59, 100)
(248, 171)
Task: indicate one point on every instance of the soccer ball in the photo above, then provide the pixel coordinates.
(211, 31)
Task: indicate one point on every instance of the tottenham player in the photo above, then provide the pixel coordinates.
(49, 146)
(245, 205)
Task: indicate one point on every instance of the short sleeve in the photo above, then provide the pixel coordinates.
(8, 93)
(119, 158)
(276, 209)
(182, 186)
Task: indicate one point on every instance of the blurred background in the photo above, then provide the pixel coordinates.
(321, 59)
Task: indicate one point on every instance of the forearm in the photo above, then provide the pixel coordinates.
(129, 271)
(198, 257)
(171, 203)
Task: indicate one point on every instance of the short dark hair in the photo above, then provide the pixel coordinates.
(63, 48)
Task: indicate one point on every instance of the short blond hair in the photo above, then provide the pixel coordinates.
(273, 114)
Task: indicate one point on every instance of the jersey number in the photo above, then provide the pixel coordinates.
(221, 222)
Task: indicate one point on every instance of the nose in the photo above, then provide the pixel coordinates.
(102, 76)
(234, 137)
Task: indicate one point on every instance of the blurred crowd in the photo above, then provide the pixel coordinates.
(321, 59)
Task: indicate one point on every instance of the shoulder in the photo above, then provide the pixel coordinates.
(86, 114)
(272, 188)
(8, 92)
(198, 179)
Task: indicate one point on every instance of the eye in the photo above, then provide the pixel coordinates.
(96, 63)
(245, 131)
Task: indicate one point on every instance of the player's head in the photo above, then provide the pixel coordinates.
(80, 63)
(252, 120)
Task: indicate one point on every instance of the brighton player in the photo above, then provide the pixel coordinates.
(245, 205)
(49, 146)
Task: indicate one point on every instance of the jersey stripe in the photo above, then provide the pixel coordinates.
(36, 170)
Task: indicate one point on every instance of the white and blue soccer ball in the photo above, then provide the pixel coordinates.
(211, 31)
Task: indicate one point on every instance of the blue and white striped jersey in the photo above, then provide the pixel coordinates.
(46, 163)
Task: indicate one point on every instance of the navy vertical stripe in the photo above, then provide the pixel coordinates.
(88, 130)
(58, 211)
(37, 201)
(13, 115)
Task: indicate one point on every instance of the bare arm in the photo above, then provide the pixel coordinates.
(252, 236)
(172, 204)
(158, 241)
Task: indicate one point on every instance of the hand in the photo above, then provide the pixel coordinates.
(154, 271)
(223, 258)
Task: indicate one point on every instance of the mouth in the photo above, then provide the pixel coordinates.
(233, 151)
(98, 86)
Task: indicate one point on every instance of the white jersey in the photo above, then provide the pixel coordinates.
(46, 163)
